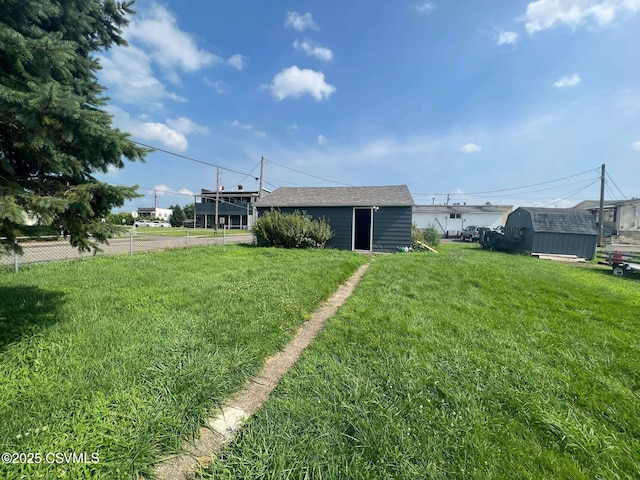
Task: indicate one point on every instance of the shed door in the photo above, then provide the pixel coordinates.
(362, 228)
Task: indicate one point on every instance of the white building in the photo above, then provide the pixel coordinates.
(450, 220)
(163, 214)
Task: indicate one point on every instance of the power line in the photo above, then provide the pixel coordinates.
(513, 188)
(538, 190)
(309, 174)
(191, 159)
(571, 194)
(614, 184)
(249, 174)
(611, 193)
(162, 190)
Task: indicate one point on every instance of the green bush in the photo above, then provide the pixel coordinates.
(429, 236)
(291, 230)
(432, 236)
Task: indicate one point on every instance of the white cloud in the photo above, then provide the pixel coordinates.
(249, 128)
(470, 148)
(169, 46)
(507, 38)
(172, 134)
(155, 131)
(128, 72)
(155, 40)
(544, 14)
(163, 189)
(636, 146)
(186, 126)
(219, 86)
(293, 127)
(237, 61)
(313, 49)
(425, 8)
(295, 82)
(300, 21)
(322, 140)
(568, 81)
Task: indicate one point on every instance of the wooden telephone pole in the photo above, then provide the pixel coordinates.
(601, 211)
(261, 175)
(217, 197)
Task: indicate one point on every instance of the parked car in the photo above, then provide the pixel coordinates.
(159, 223)
(472, 233)
(142, 223)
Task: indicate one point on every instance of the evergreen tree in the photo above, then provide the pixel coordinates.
(177, 216)
(189, 210)
(54, 134)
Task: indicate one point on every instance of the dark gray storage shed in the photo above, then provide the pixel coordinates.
(374, 219)
(567, 231)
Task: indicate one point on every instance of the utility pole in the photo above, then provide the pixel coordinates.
(217, 197)
(155, 201)
(261, 175)
(194, 212)
(601, 212)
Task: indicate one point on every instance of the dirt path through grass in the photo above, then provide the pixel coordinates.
(224, 427)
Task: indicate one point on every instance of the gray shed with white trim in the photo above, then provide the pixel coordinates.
(376, 218)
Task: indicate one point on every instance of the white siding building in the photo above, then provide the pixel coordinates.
(450, 220)
(163, 214)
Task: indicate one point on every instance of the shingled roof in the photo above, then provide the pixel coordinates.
(384, 196)
(562, 220)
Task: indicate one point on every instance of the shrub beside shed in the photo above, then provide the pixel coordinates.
(565, 231)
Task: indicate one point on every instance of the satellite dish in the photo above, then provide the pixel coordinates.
(134, 214)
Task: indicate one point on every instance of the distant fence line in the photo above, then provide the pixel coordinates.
(52, 249)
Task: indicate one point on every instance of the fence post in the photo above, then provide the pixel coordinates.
(15, 260)
(187, 240)
(131, 244)
(224, 235)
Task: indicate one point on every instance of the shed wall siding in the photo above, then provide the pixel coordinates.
(565, 243)
(391, 228)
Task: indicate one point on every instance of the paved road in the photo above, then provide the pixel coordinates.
(61, 250)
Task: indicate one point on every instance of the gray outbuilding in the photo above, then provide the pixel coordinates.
(567, 231)
(375, 219)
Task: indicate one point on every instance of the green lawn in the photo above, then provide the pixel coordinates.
(467, 364)
(182, 232)
(125, 356)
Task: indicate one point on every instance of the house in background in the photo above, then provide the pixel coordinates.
(450, 220)
(235, 208)
(567, 231)
(374, 219)
(163, 214)
(621, 218)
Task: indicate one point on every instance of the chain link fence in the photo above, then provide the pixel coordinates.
(51, 249)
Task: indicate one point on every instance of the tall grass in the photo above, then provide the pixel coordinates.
(125, 356)
(468, 364)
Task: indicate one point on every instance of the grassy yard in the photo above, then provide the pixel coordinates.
(124, 356)
(182, 232)
(467, 364)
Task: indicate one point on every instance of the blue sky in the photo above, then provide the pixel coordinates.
(457, 98)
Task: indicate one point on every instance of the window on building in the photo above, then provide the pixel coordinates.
(455, 215)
